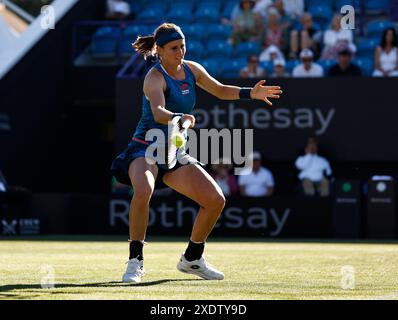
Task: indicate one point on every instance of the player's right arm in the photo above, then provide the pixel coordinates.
(154, 87)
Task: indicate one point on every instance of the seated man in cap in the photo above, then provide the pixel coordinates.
(307, 68)
(344, 67)
(257, 181)
(279, 69)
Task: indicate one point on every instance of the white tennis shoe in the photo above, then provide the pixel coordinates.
(200, 268)
(135, 271)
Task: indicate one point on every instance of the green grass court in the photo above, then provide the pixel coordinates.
(88, 267)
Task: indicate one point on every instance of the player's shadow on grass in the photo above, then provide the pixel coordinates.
(11, 287)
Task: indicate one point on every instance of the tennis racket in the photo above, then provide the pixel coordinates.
(176, 139)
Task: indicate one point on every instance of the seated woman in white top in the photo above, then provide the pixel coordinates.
(336, 38)
(386, 55)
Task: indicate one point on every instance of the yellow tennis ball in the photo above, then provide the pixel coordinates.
(178, 140)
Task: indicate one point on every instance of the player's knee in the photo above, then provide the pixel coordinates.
(217, 201)
(143, 192)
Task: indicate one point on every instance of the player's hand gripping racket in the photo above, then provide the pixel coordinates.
(176, 139)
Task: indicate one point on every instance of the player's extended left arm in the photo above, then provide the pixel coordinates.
(228, 92)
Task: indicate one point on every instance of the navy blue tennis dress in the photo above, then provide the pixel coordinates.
(180, 97)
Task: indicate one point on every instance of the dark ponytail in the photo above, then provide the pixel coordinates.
(145, 45)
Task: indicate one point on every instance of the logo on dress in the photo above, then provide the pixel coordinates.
(184, 88)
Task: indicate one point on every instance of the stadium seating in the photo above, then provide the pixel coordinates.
(154, 4)
(207, 36)
(130, 35)
(104, 42)
(216, 4)
(341, 3)
(321, 14)
(230, 67)
(245, 49)
(195, 50)
(291, 64)
(326, 64)
(366, 65)
(152, 13)
(218, 31)
(228, 9)
(268, 66)
(376, 6)
(375, 28)
(366, 47)
(217, 48)
(207, 13)
(135, 7)
(312, 3)
(212, 66)
(182, 13)
(195, 31)
(136, 30)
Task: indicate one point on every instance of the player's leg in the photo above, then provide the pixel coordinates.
(142, 176)
(195, 183)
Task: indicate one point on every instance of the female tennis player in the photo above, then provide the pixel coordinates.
(169, 91)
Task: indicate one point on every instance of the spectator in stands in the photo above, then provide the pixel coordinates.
(344, 66)
(247, 24)
(253, 69)
(261, 7)
(279, 69)
(117, 9)
(294, 8)
(286, 22)
(314, 170)
(307, 68)
(336, 38)
(285, 19)
(306, 37)
(386, 55)
(273, 33)
(258, 181)
(227, 181)
(271, 53)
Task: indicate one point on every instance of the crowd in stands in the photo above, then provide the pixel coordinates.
(311, 49)
(314, 175)
(295, 38)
